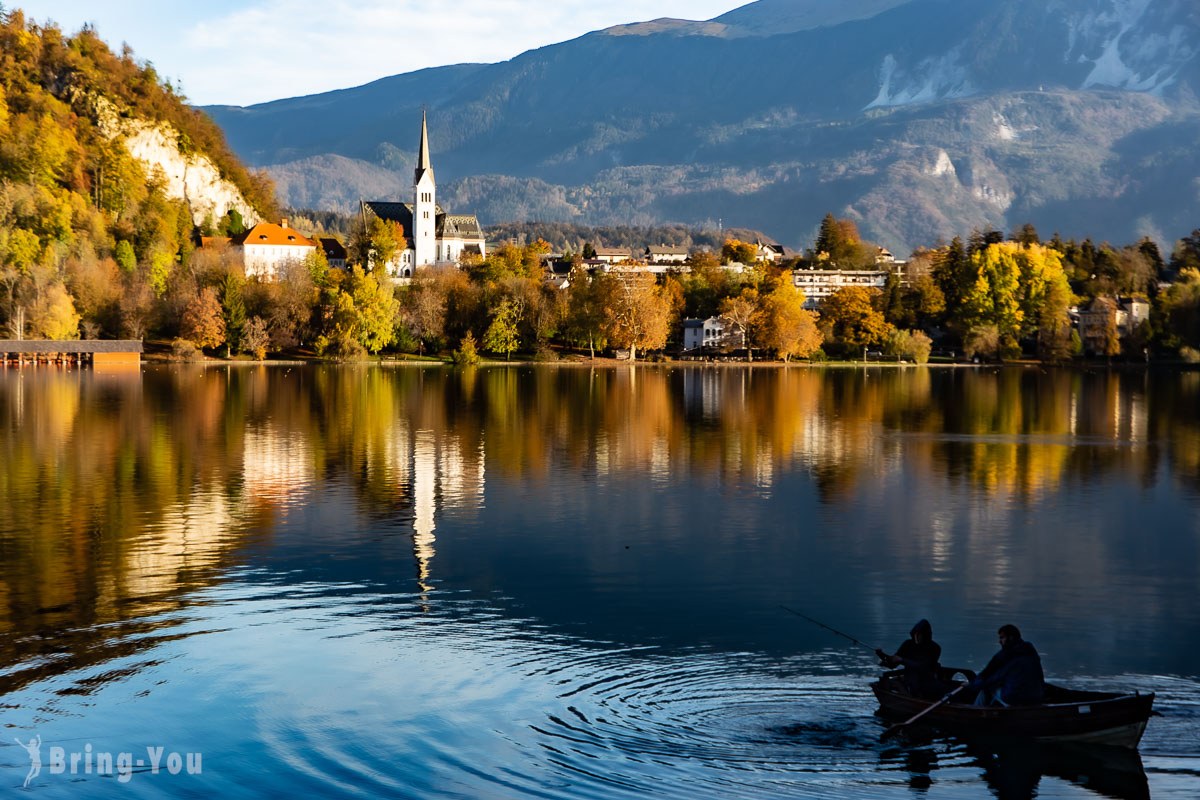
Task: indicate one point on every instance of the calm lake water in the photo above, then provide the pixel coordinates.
(565, 582)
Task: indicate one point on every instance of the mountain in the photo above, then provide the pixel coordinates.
(917, 118)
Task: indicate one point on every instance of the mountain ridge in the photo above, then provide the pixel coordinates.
(595, 116)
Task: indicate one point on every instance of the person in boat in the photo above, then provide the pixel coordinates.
(918, 655)
(1014, 675)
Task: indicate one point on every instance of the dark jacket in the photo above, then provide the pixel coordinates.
(920, 662)
(923, 656)
(1016, 671)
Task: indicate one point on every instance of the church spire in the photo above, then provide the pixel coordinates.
(423, 164)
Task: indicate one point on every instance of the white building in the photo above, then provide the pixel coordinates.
(704, 333)
(432, 236)
(665, 254)
(817, 284)
(614, 255)
(267, 247)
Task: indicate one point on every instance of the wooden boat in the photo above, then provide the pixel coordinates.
(1067, 715)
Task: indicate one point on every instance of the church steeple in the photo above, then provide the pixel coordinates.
(423, 164)
(424, 232)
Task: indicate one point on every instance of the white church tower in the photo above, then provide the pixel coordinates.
(424, 232)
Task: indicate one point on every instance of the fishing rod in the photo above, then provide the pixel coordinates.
(831, 630)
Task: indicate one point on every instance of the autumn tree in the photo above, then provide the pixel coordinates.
(740, 313)
(586, 324)
(376, 310)
(636, 314)
(738, 252)
(784, 325)
(425, 306)
(839, 245)
(203, 320)
(257, 339)
(53, 315)
(909, 345)
(502, 335)
(849, 318)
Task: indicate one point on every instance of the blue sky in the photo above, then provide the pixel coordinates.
(257, 50)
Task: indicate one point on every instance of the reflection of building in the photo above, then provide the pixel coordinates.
(442, 475)
(275, 465)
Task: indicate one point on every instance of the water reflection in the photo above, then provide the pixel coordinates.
(594, 513)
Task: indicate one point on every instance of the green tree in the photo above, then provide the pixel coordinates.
(467, 354)
(376, 309)
(125, 258)
(233, 311)
(502, 335)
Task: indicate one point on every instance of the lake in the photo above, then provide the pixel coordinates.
(565, 582)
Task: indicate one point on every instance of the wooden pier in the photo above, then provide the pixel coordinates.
(77, 353)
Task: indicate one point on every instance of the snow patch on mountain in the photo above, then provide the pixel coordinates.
(1127, 43)
(942, 166)
(933, 79)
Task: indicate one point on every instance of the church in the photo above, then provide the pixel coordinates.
(432, 236)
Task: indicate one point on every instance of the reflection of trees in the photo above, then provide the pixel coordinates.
(120, 495)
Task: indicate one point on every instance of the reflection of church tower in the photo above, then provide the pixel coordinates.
(424, 503)
(424, 232)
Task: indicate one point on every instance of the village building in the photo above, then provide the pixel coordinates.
(710, 332)
(665, 254)
(771, 253)
(266, 248)
(432, 236)
(613, 255)
(1107, 316)
(335, 252)
(817, 284)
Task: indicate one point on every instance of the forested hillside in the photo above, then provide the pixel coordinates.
(90, 241)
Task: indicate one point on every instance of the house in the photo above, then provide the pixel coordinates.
(335, 251)
(883, 257)
(817, 284)
(709, 332)
(665, 254)
(613, 255)
(431, 235)
(266, 247)
(1108, 316)
(771, 253)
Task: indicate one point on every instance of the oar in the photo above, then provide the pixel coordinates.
(831, 630)
(892, 730)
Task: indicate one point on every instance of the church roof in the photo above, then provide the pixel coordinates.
(423, 163)
(449, 226)
(458, 226)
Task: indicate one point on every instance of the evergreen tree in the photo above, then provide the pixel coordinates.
(233, 307)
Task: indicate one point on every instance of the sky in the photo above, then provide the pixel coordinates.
(252, 51)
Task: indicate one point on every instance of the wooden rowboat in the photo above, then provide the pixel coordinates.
(1067, 715)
